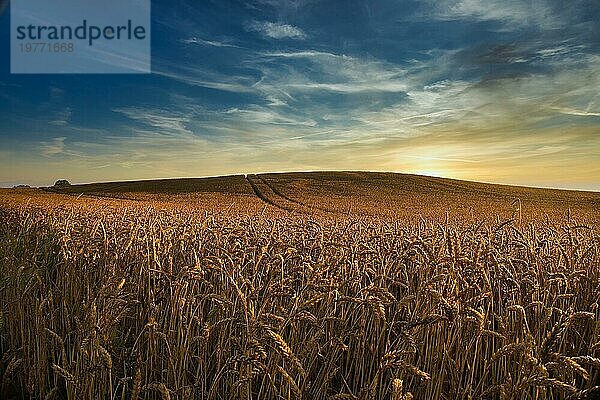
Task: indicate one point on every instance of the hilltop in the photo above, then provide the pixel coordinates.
(357, 193)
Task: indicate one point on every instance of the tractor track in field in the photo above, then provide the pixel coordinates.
(280, 193)
(266, 191)
(260, 193)
(270, 194)
(298, 202)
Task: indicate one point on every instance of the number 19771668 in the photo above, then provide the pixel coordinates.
(41, 47)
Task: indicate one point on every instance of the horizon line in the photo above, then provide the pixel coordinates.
(14, 186)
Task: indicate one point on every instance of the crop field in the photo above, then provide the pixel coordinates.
(336, 286)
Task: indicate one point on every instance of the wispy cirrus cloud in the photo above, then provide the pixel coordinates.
(276, 30)
(288, 74)
(581, 113)
(203, 77)
(214, 43)
(54, 147)
(266, 116)
(282, 6)
(62, 117)
(164, 121)
(515, 13)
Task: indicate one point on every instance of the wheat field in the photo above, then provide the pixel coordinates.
(221, 295)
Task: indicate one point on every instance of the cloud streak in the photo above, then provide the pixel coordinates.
(511, 13)
(214, 43)
(276, 30)
(54, 147)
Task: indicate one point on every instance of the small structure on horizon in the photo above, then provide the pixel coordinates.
(62, 183)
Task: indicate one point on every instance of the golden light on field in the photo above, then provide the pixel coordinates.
(303, 199)
(434, 162)
(170, 283)
(431, 168)
(431, 172)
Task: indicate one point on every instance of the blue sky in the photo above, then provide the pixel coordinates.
(499, 91)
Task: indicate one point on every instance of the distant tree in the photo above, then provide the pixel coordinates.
(62, 182)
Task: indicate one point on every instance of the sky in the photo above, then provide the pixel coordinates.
(504, 91)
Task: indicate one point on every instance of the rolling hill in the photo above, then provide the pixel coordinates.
(358, 193)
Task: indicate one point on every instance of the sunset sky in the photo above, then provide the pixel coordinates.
(503, 91)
